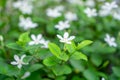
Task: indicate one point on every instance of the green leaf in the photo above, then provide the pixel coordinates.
(23, 39)
(55, 50)
(35, 67)
(61, 70)
(96, 59)
(50, 61)
(64, 56)
(78, 55)
(70, 47)
(60, 78)
(84, 43)
(78, 65)
(116, 71)
(90, 74)
(7, 69)
(13, 46)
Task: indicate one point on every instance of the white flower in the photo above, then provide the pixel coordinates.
(71, 16)
(109, 6)
(66, 39)
(26, 74)
(90, 12)
(53, 13)
(19, 61)
(24, 6)
(62, 25)
(26, 23)
(1, 38)
(110, 40)
(36, 39)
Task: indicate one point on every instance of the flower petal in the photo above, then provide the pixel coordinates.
(22, 57)
(16, 57)
(60, 37)
(33, 37)
(71, 38)
(66, 34)
(19, 66)
(31, 43)
(14, 63)
(39, 36)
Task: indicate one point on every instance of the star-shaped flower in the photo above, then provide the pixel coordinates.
(19, 61)
(66, 39)
(53, 13)
(110, 40)
(90, 12)
(109, 6)
(36, 39)
(26, 23)
(62, 25)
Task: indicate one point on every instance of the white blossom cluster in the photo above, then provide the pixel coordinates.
(57, 12)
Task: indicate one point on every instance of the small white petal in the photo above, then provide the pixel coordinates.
(39, 36)
(16, 58)
(71, 38)
(14, 63)
(60, 37)
(27, 74)
(66, 35)
(22, 57)
(33, 37)
(31, 43)
(19, 66)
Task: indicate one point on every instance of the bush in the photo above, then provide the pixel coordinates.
(59, 40)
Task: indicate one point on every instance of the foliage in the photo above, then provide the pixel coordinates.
(88, 57)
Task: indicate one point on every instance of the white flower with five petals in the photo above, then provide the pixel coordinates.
(109, 6)
(62, 25)
(26, 23)
(19, 61)
(110, 40)
(36, 39)
(66, 39)
(53, 13)
(90, 12)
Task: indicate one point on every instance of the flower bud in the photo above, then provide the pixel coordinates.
(1, 38)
